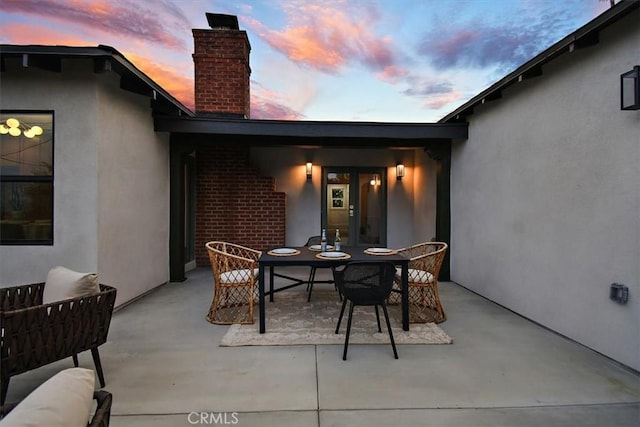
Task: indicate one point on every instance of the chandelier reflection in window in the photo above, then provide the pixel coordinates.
(14, 127)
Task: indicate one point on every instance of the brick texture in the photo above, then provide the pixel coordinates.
(221, 64)
(234, 203)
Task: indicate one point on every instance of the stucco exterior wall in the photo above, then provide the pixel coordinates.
(287, 166)
(72, 97)
(133, 193)
(111, 181)
(546, 198)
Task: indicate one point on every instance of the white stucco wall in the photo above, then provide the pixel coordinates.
(133, 193)
(287, 166)
(546, 198)
(71, 95)
(111, 181)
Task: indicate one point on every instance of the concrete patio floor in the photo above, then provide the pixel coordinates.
(164, 367)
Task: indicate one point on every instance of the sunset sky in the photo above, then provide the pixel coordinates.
(353, 60)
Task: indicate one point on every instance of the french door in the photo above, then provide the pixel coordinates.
(354, 201)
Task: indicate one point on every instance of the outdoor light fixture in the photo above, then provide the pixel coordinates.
(375, 180)
(13, 127)
(399, 171)
(309, 170)
(630, 89)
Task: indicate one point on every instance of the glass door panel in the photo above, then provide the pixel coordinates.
(339, 207)
(370, 209)
(354, 202)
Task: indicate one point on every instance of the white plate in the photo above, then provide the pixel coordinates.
(318, 247)
(332, 254)
(284, 251)
(379, 250)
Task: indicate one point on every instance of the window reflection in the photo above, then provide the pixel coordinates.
(26, 177)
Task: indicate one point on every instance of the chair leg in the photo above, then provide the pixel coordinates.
(251, 298)
(312, 273)
(344, 304)
(3, 390)
(75, 360)
(333, 270)
(393, 343)
(346, 340)
(378, 318)
(312, 277)
(96, 361)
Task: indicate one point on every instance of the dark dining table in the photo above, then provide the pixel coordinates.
(307, 257)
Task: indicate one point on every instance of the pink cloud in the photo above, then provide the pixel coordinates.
(392, 73)
(24, 34)
(267, 110)
(435, 92)
(178, 85)
(122, 18)
(438, 101)
(326, 38)
(270, 105)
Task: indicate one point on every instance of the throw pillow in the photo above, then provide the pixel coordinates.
(64, 400)
(63, 283)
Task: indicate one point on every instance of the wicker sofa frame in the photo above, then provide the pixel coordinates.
(36, 334)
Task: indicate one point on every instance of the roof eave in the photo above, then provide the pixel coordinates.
(583, 36)
(400, 132)
(121, 65)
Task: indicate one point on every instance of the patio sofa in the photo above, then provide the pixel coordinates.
(34, 334)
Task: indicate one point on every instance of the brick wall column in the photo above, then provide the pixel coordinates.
(234, 202)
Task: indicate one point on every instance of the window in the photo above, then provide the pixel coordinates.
(26, 177)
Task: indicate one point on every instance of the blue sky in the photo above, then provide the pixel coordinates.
(345, 60)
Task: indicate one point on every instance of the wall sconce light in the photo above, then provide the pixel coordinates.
(630, 89)
(399, 171)
(309, 171)
(375, 180)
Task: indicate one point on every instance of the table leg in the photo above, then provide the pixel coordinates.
(261, 309)
(405, 297)
(271, 283)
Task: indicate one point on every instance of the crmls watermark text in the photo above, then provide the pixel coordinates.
(213, 418)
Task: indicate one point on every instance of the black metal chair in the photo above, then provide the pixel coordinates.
(365, 283)
(315, 240)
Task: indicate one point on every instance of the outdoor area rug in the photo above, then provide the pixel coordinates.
(291, 320)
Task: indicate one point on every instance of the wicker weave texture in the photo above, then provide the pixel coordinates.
(36, 334)
(235, 282)
(424, 299)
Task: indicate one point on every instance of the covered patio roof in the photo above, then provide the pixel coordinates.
(320, 133)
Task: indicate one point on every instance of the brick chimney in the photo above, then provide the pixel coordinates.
(221, 62)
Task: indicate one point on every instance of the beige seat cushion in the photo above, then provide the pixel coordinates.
(64, 400)
(416, 276)
(63, 283)
(237, 276)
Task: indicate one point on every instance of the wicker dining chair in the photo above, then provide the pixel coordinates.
(425, 261)
(235, 277)
(365, 283)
